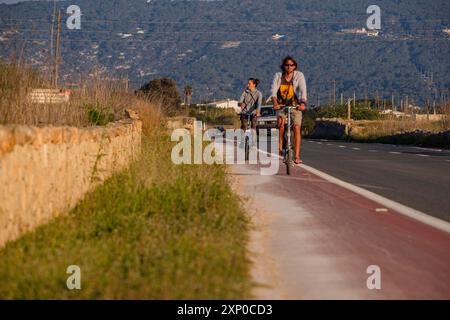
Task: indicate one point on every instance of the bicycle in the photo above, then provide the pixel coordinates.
(248, 135)
(288, 148)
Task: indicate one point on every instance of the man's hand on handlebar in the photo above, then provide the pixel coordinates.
(301, 106)
(278, 106)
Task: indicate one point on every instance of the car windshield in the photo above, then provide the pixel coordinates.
(267, 112)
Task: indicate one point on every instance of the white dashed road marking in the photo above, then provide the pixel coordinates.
(422, 155)
(394, 152)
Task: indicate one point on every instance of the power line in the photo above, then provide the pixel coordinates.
(235, 40)
(196, 31)
(386, 21)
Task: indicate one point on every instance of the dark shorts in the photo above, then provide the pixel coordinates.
(244, 121)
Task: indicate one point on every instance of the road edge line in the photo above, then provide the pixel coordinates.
(409, 212)
(398, 207)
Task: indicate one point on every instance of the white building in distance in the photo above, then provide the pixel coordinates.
(226, 104)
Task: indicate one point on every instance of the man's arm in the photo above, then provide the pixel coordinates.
(274, 90)
(303, 93)
(303, 90)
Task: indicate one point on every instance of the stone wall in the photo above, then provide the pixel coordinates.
(330, 129)
(46, 171)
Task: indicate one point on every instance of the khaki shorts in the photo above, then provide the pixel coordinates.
(296, 116)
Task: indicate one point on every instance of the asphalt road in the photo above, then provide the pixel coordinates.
(314, 239)
(416, 177)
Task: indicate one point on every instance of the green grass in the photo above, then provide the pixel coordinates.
(214, 116)
(155, 231)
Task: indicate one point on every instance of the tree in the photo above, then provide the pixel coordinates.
(188, 92)
(164, 90)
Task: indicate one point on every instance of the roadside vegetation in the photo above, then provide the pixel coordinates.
(369, 125)
(94, 102)
(153, 231)
(435, 134)
(215, 116)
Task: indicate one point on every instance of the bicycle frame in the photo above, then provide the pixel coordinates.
(287, 144)
(248, 135)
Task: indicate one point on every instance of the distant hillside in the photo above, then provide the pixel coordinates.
(216, 45)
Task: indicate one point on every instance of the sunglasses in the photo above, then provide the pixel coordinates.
(289, 65)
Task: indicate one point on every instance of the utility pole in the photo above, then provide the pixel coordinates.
(365, 98)
(342, 99)
(334, 91)
(349, 110)
(377, 101)
(354, 99)
(393, 107)
(52, 35)
(57, 52)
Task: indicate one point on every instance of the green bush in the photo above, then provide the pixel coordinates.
(99, 116)
(360, 112)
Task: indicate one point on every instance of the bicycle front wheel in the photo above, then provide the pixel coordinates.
(247, 148)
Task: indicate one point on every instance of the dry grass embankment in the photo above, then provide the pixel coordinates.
(154, 231)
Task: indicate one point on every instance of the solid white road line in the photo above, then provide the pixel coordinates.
(385, 202)
(400, 208)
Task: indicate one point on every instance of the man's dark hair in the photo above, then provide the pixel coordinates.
(285, 60)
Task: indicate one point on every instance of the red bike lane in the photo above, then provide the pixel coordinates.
(323, 238)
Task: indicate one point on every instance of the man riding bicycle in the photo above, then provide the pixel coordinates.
(289, 89)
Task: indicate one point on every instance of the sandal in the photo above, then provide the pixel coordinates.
(298, 161)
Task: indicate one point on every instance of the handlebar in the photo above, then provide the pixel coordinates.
(284, 107)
